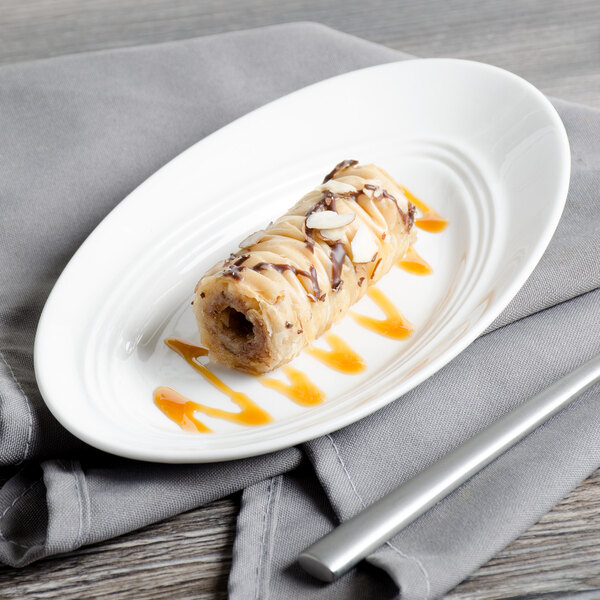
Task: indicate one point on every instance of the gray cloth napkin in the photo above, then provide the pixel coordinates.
(80, 132)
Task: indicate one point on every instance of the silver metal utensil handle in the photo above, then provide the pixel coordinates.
(346, 545)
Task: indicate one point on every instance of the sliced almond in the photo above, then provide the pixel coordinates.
(377, 192)
(332, 235)
(364, 245)
(252, 239)
(328, 219)
(337, 187)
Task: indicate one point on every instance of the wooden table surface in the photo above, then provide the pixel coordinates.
(554, 44)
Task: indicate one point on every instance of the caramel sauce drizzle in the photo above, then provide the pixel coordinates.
(178, 407)
(414, 263)
(430, 220)
(189, 352)
(394, 326)
(300, 389)
(341, 357)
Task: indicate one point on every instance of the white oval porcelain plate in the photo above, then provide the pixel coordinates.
(480, 145)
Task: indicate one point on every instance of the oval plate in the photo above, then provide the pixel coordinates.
(481, 145)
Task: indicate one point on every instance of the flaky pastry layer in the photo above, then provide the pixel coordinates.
(260, 307)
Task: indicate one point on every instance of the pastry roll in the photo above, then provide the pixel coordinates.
(292, 281)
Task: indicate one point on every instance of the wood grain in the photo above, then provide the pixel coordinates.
(559, 556)
(554, 44)
(190, 556)
(186, 557)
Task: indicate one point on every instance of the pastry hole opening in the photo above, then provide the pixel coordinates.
(235, 322)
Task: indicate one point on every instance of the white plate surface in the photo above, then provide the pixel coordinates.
(482, 146)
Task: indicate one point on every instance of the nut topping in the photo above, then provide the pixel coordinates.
(332, 235)
(328, 219)
(252, 239)
(338, 187)
(364, 245)
(373, 189)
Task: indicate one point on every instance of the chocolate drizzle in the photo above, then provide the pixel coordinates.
(316, 295)
(337, 256)
(373, 188)
(339, 167)
(375, 268)
(326, 202)
(338, 253)
(411, 214)
(408, 219)
(369, 186)
(234, 269)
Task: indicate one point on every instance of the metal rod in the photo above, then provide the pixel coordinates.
(340, 550)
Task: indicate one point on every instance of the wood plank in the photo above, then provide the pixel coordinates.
(558, 556)
(186, 557)
(553, 43)
(190, 556)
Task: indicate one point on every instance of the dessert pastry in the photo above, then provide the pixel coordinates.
(292, 281)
